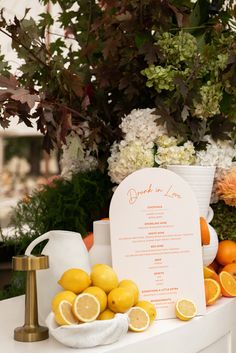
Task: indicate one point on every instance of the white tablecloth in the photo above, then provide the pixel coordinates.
(213, 333)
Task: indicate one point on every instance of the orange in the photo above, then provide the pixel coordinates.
(208, 272)
(212, 290)
(228, 284)
(226, 253)
(214, 266)
(205, 233)
(231, 268)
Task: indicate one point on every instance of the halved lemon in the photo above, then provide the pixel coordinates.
(138, 319)
(64, 315)
(86, 307)
(185, 309)
(63, 295)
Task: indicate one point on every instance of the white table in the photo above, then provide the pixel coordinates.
(213, 333)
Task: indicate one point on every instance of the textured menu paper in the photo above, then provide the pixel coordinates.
(155, 238)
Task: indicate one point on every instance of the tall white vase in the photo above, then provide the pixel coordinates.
(200, 178)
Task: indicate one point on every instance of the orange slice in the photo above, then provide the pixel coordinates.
(138, 319)
(208, 272)
(185, 309)
(205, 233)
(86, 307)
(212, 290)
(228, 284)
(63, 314)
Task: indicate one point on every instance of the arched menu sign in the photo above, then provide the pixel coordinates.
(155, 238)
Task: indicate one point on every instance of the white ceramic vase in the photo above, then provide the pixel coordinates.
(65, 250)
(200, 178)
(101, 249)
(209, 251)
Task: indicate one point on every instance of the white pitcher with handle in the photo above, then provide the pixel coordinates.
(65, 250)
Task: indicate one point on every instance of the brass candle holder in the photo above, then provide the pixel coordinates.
(31, 331)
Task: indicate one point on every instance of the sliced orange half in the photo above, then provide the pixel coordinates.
(185, 309)
(138, 319)
(86, 307)
(212, 290)
(63, 314)
(228, 284)
(208, 272)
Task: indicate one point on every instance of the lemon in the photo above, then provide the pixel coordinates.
(75, 280)
(99, 294)
(139, 319)
(104, 277)
(120, 300)
(149, 307)
(132, 286)
(106, 315)
(64, 295)
(86, 307)
(63, 314)
(185, 309)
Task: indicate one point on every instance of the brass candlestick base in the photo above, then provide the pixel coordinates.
(31, 331)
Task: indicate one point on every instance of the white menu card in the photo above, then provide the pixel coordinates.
(155, 238)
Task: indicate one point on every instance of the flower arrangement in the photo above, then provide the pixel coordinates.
(147, 83)
(146, 143)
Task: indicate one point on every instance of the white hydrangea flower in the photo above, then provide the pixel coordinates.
(220, 154)
(166, 141)
(76, 158)
(127, 158)
(141, 125)
(184, 155)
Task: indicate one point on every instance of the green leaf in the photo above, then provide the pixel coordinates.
(141, 38)
(199, 14)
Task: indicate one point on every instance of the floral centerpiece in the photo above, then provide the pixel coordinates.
(146, 143)
(146, 84)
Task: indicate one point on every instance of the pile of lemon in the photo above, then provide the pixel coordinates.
(99, 296)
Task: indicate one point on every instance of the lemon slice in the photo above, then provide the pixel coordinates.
(86, 307)
(63, 314)
(149, 307)
(138, 319)
(185, 309)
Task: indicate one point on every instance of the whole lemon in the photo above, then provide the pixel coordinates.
(99, 294)
(103, 276)
(120, 300)
(149, 307)
(131, 286)
(64, 295)
(106, 315)
(75, 280)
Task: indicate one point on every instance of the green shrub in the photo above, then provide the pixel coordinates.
(64, 204)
